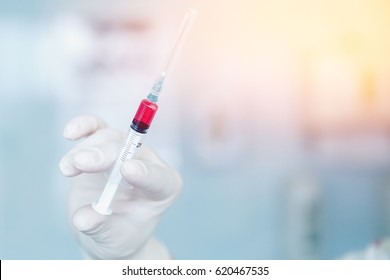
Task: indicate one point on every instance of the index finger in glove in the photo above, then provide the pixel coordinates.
(82, 126)
(95, 154)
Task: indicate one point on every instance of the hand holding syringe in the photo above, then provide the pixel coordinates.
(142, 120)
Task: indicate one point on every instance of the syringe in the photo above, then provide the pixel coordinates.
(142, 120)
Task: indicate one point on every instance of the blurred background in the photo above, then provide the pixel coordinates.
(277, 115)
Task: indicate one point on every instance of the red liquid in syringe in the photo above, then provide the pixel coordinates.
(144, 116)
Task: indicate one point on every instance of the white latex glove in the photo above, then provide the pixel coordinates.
(149, 188)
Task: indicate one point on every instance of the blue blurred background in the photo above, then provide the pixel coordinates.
(277, 115)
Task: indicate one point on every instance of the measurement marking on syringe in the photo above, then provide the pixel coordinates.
(133, 142)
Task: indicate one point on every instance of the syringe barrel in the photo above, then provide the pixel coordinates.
(133, 141)
(139, 126)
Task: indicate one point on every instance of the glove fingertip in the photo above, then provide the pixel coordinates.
(87, 220)
(70, 131)
(68, 169)
(82, 126)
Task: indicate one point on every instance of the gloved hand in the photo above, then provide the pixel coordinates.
(149, 187)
